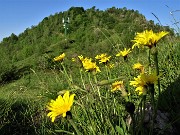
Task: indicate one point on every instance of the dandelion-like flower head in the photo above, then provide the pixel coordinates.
(103, 58)
(60, 106)
(117, 85)
(138, 66)
(60, 57)
(124, 53)
(148, 38)
(143, 81)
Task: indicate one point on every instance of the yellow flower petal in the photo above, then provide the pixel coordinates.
(64, 114)
(124, 53)
(143, 80)
(60, 106)
(147, 38)
(60, 57)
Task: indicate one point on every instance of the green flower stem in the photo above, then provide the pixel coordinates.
(153, 115)
(95, 79)
(151, 89)
(80, 71)
(155, 54)
(107, 72)
(157, 70)
(66, 74)
(133, 123)
(89, 77)
(143, 114)
(63, 131)
(149, 60)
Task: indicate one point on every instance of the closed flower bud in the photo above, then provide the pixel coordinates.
(68, 115)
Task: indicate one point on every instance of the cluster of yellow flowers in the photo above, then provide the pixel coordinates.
(103, 58)
(62, 105)
(88, 65)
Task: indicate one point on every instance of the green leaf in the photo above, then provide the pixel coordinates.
(119, 130)
(63, 131)
(123, 124)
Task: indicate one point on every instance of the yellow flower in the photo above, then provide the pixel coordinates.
(139, 66)
(60, 106)
(103, 58)
(148, 38)
(141, 90)
(81, 58)
(143, 81)
(88, 65)
(117, 85)
(60, 57)
(139, 81)
(151, 78)
(124, 53)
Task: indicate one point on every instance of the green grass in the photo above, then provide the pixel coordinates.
(96, 110)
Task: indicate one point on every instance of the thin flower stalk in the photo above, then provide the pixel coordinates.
(90, 81)
(95, 79)
(149, 60)
(154, 52)
(80, 71)
(69, 79)
(151, 88)
(107, 72)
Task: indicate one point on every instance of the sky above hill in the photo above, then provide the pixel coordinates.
(17, 15)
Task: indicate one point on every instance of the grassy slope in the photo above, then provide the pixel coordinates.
(30, 93)
(40, 85)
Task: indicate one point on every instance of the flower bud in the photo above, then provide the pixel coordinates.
(68, 115)
(130, 107)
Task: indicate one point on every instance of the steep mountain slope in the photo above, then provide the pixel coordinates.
(89, 32)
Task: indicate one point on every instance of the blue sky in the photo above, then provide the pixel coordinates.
(17, 15)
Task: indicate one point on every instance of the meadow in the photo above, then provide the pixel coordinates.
(104, 101)
(129, 90)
